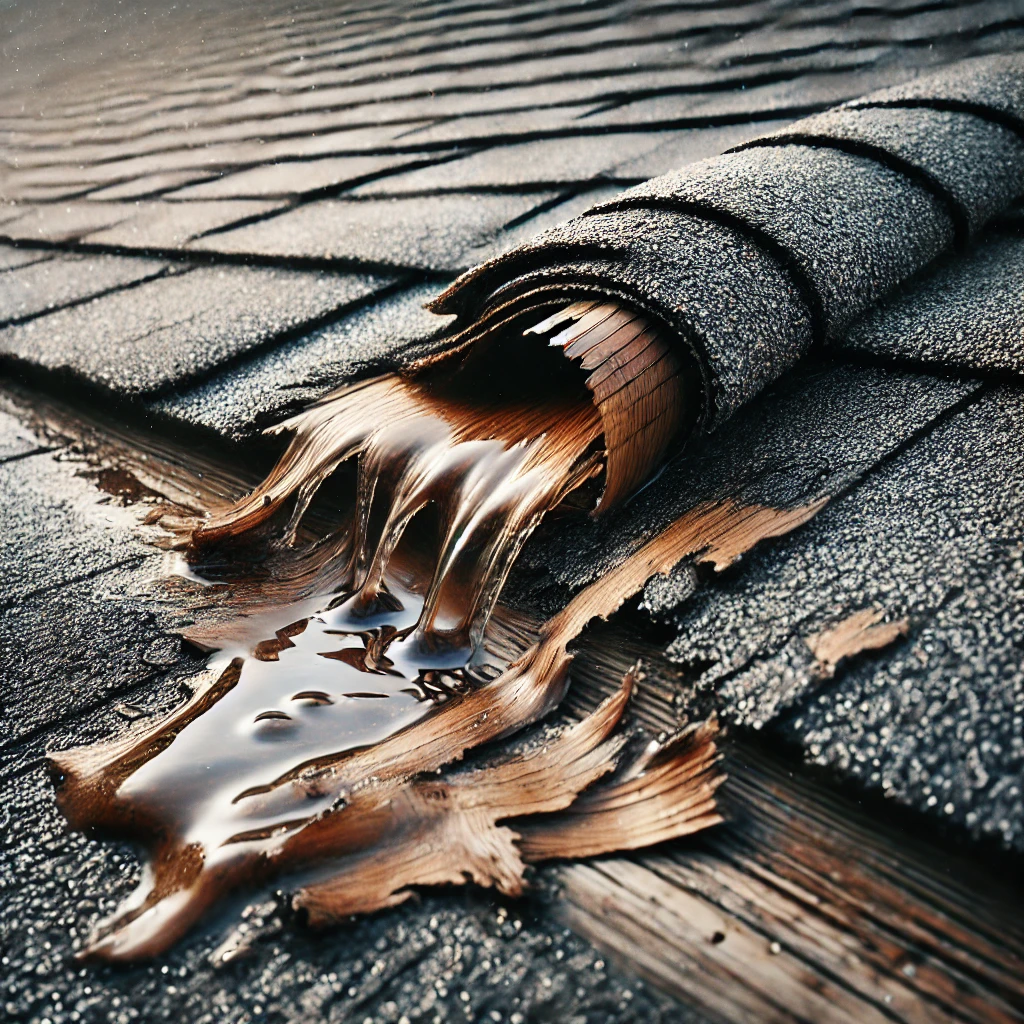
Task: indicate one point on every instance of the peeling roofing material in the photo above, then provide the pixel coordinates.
(843, 229)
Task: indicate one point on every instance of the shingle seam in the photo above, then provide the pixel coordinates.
(22, 266)
(16, 321)
(769, 247)
(955, 369)
(569, 190)
(20, 599)
(951, 106)
(214, 257)
(274, 341)
(613, 101)
(856, 147)
(904, 445)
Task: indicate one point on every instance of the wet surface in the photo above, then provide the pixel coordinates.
(352, 665)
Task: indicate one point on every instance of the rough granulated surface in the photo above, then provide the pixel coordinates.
(932, 536)
(972, 165)
(292, 107)
(263, 389)
(140, 340)
(964, 316)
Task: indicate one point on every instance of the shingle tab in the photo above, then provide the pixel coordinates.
(977, 167)
(931, 537)
(167, 331)
(243, 399)
(966, 315)
(431, 233)
(67, 278)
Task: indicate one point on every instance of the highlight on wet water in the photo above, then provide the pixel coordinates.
(371, 717)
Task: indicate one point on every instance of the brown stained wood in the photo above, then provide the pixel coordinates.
(802, 908)
(636, 382)
(862, 631)
(490, 468)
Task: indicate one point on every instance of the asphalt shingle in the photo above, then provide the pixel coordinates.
(966, 315)
(167, 331)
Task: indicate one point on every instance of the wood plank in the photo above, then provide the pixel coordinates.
(803, 907)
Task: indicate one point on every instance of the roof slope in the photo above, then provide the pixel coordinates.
(223, 242)
(241, 211)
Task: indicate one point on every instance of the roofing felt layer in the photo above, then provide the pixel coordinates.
(264, 112)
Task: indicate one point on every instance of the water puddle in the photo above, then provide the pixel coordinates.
(357, 659)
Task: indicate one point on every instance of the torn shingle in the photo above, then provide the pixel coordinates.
(751, 255)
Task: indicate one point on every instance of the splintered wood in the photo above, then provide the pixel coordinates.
(865, 630)
(636, 381)
(325, 745)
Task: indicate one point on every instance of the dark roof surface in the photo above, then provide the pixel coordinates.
(426, 142)
(214, 214)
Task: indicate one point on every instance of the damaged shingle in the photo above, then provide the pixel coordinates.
(933, 536)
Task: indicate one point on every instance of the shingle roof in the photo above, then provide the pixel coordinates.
(274, 194)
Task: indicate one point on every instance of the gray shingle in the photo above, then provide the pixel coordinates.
(167, 331)
(260, 391)
(434, 233)
(812, 435)
(68, 278)
(972, 164)
(932, 536)
(965, 315)
(542, 162)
